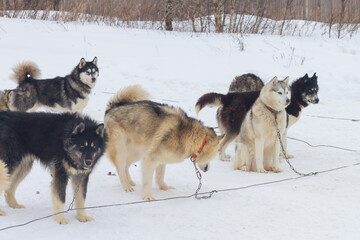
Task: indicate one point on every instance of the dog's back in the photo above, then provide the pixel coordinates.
(246, 83)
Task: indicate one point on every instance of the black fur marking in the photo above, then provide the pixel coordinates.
(299, 87)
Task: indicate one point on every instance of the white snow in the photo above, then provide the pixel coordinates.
(177, 68)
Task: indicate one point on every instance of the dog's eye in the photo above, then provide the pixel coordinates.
(279, 93)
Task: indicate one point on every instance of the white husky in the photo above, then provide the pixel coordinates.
(258, 146)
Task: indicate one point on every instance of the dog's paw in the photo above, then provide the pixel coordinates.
(244, 168)
(128, 189)
(276, 169)
(225, 158)
(16, 205)
(84, 218)
(289, 156)
(2, 213)
(148, 197)
(61, 219)
(166, 187)
(132, 183)
(261, 170)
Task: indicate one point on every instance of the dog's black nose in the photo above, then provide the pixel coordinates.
(88, 162)
(93, 79)
(287, 101)
(316, 100)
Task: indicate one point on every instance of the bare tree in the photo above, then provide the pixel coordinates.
(168, 15)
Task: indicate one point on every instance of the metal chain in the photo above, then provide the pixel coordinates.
(198, 175)
(285, 155)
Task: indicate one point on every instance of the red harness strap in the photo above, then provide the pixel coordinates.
(194, 156)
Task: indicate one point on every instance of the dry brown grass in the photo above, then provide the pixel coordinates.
(196, 15)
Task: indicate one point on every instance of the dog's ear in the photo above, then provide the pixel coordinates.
(78, 128)
(94, 61)
(306, 76)
(286, 80)
(314, 75)
(82, 63)
(274, 80)
(100, 130)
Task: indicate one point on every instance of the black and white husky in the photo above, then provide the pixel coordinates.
(68, 144)
(60, 94)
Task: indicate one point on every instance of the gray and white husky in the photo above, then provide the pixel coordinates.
(59, 94)
(258, 146)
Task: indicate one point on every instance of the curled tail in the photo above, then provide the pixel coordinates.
(127, 95)
(210, 99)
(24, 70)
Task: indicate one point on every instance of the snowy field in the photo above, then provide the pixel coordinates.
(177, 68)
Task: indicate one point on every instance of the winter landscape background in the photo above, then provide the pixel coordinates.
(177, 68)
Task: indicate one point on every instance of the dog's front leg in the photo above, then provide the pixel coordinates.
(80, 182)
(160, 174)
(58, 190)
(147, 167)
(259, 155)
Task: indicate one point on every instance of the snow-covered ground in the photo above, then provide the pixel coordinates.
(177, 68)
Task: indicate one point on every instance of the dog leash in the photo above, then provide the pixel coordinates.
(198, 173)
(285, 155)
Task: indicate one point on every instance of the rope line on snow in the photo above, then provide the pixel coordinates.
(209, 194)
(334, 118)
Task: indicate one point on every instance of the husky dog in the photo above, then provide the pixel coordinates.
(157, 134)
(68, 144)
(258, 148)
(234, 105)
(246, 83)
(60, 94)
(4, 100)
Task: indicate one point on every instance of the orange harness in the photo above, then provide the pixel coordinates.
(194, 156)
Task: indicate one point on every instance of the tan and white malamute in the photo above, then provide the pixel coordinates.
(156, 134)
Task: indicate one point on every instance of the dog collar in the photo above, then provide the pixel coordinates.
(194, 156)
(272, 110)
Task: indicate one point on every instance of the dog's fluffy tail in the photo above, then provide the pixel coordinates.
(209, 99)
(24, 70)
(127, 95)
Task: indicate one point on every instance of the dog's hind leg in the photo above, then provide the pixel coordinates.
(81, 182)
(284, 142)
(148, 167)
(17, 176)
(227, 139)
(242, 160)
(275, 165)
(117, 153)
(160, 174)
(4, 180)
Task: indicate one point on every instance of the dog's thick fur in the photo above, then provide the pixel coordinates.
(68, 144)
(234, 106)
(246, 83)
(258, 148)
(155, 133)
(60, 94)
(5, 99)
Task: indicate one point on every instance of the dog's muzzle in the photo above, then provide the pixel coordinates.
(87, 163)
